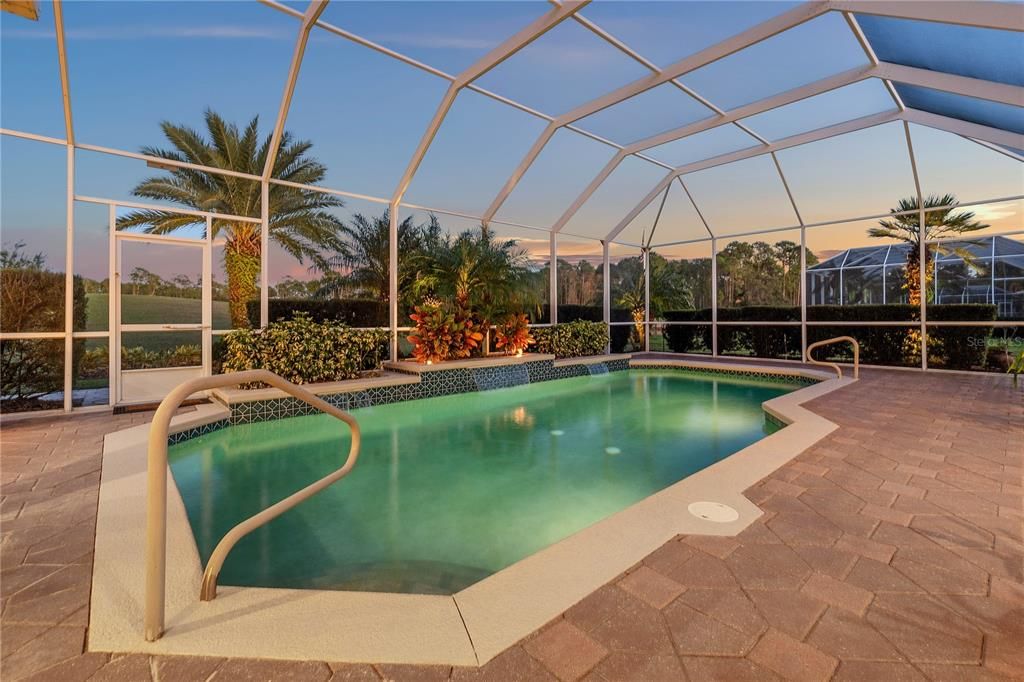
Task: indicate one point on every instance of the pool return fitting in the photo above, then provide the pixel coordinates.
(156, 487)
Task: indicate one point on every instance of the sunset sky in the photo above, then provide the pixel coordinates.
(135, 64)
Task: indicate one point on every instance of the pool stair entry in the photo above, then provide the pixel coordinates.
(490, 378)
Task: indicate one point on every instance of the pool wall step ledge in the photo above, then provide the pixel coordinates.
(468, 628)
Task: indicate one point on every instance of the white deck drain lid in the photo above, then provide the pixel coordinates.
(714, 511)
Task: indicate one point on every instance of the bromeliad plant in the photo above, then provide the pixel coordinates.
(513, 335)
(443, 332)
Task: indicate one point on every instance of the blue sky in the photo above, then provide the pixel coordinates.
(135, 64)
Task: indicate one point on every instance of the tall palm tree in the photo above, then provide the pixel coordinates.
(365, 256)
(300, 221)
(938, 224)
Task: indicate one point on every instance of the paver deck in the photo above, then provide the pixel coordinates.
(891, 550)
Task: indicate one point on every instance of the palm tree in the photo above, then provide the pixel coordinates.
(482, 274)
(300, 221)
(938, 224)
(365, 255)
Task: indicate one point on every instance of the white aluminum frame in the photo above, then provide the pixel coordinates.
(990, 15)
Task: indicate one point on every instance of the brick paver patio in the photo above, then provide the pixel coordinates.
(892, 550)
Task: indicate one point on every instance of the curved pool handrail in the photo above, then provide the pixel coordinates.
(836, 367)
(156, 486)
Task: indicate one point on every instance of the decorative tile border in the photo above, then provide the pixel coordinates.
(197, 431)
(454, 381)
(797, 379)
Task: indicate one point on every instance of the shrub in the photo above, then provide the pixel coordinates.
(594, 313)
(572, 339)
(960, 347)
(352, 312)
(32, 300)
(951, 347)
(443, 332)
(304, 351)
(513, 335)
(688, 338)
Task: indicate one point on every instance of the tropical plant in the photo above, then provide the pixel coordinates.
(942, 222)
(365, 256)
(299, 219)
(1017, 367)
(513, 335)
(443, 332)
(480, 273)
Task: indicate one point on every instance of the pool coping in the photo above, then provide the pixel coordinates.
(467, 628)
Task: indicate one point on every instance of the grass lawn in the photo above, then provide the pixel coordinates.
(154, 310)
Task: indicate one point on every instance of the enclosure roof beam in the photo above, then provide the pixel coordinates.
(948, 82)
(785, 143)
(751, 36)
(313, 12)
(965, 128)
(62, 59)
(509, 47)
(775, 101)
(999, 15)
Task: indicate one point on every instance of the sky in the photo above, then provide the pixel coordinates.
(133, 65)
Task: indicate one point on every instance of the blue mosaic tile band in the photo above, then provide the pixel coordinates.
(738, 373)
(450, 382)
(197, 431)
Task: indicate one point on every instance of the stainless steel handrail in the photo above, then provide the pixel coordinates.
(156, 485)
(837, 368)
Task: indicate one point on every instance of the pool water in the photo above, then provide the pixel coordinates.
(450, 490)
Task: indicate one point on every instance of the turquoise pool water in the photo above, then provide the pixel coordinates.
(450, 490)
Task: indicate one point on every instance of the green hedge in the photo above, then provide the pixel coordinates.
(304, 351)
(688, 338)
(949, 347)
(571, 339)
(592, 313)
(351, 312)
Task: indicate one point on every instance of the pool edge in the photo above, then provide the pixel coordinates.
(468, 628)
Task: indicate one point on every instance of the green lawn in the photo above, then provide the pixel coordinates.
(155, 310)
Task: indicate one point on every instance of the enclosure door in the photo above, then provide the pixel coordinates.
(162, 314)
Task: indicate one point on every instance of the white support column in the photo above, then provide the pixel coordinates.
(714, 297)
(264, 253)
(803, 259)
(69, 280)
(647, 298)
(553, 280)
(803, 293)
(207, 333)
(922, 248)
(113, 318)
(393, 278)
(606, 291)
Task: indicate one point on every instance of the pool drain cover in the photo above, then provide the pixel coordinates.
(713, 511)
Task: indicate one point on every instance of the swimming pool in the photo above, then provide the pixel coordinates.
(450, 490)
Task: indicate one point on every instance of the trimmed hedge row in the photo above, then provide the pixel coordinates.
(953, 347)
(619, 336)
(351, 312)
(571, 339)
(304, 351)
